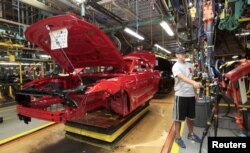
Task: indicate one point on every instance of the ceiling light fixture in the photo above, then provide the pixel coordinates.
(242, 34)
(190, 4)
(158, 46)
(79, 1)
(167, 28)
(135, 34)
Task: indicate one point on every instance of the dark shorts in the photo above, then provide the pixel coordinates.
(184, 107)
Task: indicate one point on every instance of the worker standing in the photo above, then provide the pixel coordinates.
(185, 96)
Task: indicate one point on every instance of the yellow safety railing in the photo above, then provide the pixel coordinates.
(11, 45)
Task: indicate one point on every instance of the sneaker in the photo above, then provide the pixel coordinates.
(194, 138)
(180, 142)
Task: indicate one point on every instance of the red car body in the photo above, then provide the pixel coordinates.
(123, 83)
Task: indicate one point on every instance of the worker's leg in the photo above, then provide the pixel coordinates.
(179, 115)
(190, 126)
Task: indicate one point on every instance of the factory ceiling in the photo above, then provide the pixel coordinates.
(143, 16)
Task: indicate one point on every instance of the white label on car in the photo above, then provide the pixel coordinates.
(243, 93)
(59, 39)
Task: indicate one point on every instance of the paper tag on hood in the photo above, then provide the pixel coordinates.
(59, 39)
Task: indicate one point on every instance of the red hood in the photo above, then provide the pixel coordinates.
(85, 44)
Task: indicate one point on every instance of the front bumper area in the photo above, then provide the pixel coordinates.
(25, 113)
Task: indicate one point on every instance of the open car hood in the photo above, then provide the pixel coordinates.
(73, 42)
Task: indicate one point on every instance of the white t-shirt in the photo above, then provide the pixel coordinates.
(182, 88)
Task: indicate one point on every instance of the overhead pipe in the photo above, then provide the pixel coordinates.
(166, 8)
(41, 6)
(13, 22)
(106, 12)
(68, 3)
(159, 8)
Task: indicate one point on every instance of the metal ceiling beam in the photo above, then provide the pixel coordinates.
(63, 7)
(161, 7)
(68, 3)
(164, 3)
(41, 6)
(106, 12)
(144, 22)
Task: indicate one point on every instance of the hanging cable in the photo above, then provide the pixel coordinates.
(48, 28)
(137, 13)
(161, 13)
(151, 26)
(126, 40)
(18, 16)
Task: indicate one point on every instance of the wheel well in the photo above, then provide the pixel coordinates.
(128, 100)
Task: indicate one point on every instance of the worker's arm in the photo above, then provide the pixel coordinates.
(189, 81)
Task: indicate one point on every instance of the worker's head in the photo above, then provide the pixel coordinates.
(181, 53)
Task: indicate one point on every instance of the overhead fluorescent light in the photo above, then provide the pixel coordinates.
(242, 34)
(79, 1)
(131, 32)
(158, 46)
(190, 4)
(167, 28)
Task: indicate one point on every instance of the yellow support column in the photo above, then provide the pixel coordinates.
(20, 74)
(207, 88)
(1, 96)
(12, 57)
(11, 92)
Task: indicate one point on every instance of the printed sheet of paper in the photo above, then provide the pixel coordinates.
(59, 39)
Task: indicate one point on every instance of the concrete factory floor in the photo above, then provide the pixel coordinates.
(147, 136)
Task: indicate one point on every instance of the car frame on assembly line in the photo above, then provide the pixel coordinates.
(122, 84)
